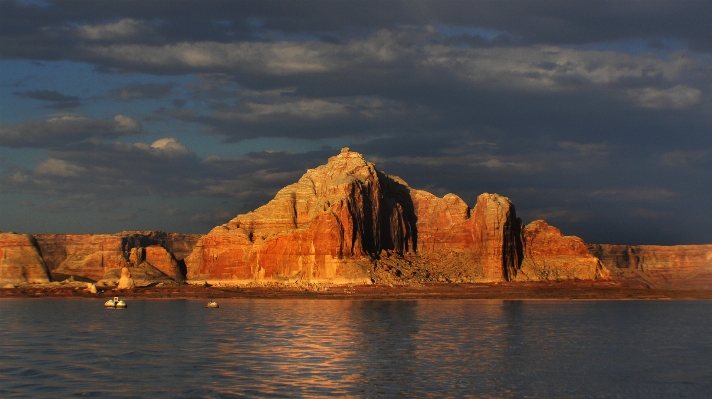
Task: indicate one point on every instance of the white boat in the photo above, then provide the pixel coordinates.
(212, 304)
(115, 303)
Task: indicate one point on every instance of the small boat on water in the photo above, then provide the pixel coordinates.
(212, 304)
(115, 303)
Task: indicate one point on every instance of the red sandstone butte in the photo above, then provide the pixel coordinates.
(341, 219)
(20, 262)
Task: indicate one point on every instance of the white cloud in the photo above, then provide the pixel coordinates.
(125, 124)
(274, 57)
(124, 29)
(169, 145)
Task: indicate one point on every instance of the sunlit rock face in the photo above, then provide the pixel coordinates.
(20, 261)
(309, 231)
(92, 256)
(347, 222)
(678, 266)
(86, 256)
(549, 255)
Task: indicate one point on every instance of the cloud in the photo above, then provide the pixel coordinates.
(58, 167)
(46, 95)
(137, 91)
(570, 110)
(169, 145)
(59, 101)
(585, 149)
(679, 158)
(126, 28)
(634, 194)
(677, 97)
(165, 167)
(276, 58)
(65, 129)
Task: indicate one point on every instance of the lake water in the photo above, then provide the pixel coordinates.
(355, 348)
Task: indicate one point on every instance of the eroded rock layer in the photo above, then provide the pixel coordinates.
(92, 256)
(20, 262)
(549, 255)
(677, 266)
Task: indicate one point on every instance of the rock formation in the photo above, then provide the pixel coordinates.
(125, 281)
(677, 266)
(90, 256)
(324, 227)
(20, 262)
(548, 255)
(154, 256)
(347, 222)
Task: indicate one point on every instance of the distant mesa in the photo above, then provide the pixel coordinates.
(345, 222)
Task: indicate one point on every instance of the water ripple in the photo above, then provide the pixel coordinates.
(357, 349)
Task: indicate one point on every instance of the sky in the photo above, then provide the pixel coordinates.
(595, 116)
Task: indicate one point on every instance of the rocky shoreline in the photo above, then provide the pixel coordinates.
(581, 290)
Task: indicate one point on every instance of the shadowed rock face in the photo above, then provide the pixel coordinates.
(678, 266)
(347, 222)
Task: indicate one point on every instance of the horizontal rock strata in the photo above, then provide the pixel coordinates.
(677, 266)
(549, 255)
(95, 257)
(20, 262)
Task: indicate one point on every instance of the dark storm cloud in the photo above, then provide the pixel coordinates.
(46, 95)
(119, 171)
(65, 129)
(138, 91)
(594, 115)
(602, 192)
(546, 21)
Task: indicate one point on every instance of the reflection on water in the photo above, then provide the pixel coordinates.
(352, 348)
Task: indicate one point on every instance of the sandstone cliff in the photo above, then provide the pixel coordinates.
(678, 266)
(342, 222)
(20, 262)
(549, 255)
(91, 257)
(347, 222)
